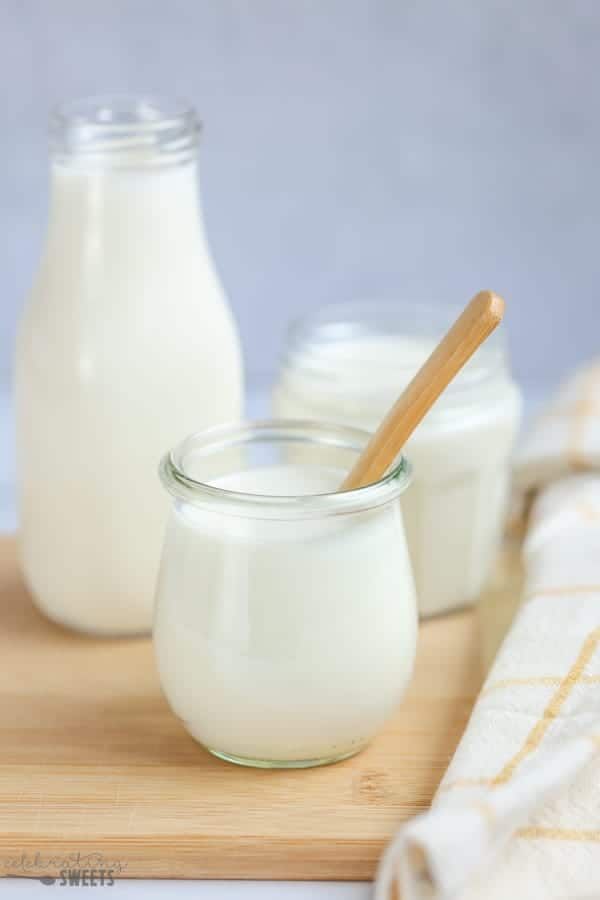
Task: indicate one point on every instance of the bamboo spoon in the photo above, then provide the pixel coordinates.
(473, 326)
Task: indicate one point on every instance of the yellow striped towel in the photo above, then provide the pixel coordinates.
(517, 814)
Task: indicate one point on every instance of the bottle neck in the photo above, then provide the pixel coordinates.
(124, 176)
(124, 207)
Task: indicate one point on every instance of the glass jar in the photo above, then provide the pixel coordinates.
(349, 362)
(285, 622)
(126, 342)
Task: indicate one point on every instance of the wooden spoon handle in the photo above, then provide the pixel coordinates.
(473, 326)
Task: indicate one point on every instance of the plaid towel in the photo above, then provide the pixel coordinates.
(517, 814)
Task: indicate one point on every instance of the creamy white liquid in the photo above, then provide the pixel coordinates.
(460, 453)
(125, 346)
(284, 640)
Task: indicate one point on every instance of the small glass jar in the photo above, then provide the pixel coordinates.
(285, 622)
(349, 362)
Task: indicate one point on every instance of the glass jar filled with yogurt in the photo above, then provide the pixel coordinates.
(285, 623)
(349, 362)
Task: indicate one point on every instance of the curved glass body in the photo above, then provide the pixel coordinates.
(285, 625)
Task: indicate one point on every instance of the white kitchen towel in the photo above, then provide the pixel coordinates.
(517, 814)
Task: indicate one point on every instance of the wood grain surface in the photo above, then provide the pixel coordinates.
(95, 772)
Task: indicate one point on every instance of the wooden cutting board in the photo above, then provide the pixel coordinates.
(95, 772)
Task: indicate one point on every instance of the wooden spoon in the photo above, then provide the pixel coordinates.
(473, 326)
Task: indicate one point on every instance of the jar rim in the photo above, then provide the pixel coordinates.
(223, 437)
(125, 128)
(313, 337)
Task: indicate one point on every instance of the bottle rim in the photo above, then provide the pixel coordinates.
(124, 130)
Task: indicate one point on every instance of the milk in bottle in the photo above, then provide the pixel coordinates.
(126, 343)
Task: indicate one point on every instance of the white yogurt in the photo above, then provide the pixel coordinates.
(352, 371)
(284, 640)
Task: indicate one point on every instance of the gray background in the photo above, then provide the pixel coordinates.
(352, 148)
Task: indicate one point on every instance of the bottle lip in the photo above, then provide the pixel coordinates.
(315, 349)
(176, 478)
(124, 130)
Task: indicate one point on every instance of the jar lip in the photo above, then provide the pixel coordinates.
(125, 128)
(221, 437)
(314, 339)
(391, 308)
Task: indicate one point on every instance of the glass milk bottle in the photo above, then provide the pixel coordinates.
(126, 343)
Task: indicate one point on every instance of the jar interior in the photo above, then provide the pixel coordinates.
(261, 451)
